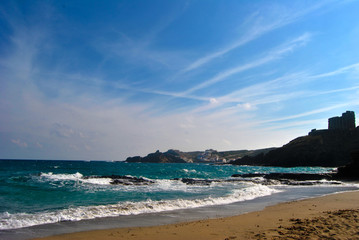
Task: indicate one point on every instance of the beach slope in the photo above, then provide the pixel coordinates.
(334, 216)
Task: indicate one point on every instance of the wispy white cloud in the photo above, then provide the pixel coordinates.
(19, 143)
(39, 145)
(272, 91)
(138, 53)
(65, 131)
(317, 93)
(254, 92)
(306, 125)
(292, 122)
(279, 90)
(272, 55)
(140, 49)
(259, 26)
(321, 110)
(342, 70)
(258, 94)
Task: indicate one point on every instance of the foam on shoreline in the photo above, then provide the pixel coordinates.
(328, 216)
(20, 220)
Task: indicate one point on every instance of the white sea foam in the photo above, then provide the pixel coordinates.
(75, 177)
(158, 185)
(97, 181)
(20, 220)
(168, 185)
(59, 177)
(189, 171)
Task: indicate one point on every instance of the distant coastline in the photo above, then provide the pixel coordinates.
(330, 147)
(208, 156)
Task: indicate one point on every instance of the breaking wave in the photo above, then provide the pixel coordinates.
(78, 177)
(20, 220)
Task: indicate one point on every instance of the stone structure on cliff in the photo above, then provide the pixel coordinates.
(345, 122)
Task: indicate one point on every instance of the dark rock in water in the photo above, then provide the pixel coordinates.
(350, 171)
(297, 179)
(326, 148)
(191, 181)
(289, 176)
(299, 176)
(124, 180)
(249, 175)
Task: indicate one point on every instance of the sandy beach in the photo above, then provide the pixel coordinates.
(334, 216)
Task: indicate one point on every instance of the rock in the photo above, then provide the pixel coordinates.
(298, 176)
(289, 176)
(191, 181)
(350, 171)
(249, 175)
(124, 180)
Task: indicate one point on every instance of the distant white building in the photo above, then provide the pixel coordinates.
(210, 156)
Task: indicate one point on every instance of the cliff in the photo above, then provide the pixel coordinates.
(326, 148)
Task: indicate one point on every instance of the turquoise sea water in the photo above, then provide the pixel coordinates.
(34, 193)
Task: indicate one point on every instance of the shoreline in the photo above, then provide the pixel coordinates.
(276, 221)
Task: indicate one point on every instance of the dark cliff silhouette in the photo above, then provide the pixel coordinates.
(349, 172)
(326, 148)
(171, 156)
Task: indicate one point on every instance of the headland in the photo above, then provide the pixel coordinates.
(330, 147)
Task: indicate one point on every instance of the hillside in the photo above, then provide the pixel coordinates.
(208, 156)
(326, 148)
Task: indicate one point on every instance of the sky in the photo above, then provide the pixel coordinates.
(105, 80)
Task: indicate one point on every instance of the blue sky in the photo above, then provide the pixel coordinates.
(104, 80)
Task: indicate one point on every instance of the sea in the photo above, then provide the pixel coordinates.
(42, 197)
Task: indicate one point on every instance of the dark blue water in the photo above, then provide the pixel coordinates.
(33, 193)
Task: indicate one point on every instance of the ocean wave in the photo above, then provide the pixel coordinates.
(20, 220)
(106, 183)
(78, 177)
(130, 183)
(59, 177)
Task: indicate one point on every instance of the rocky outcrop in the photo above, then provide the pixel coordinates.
(191, 181)
(350, 171)
(289, 176)
(326, 148)
(124, 180)
(171, 156)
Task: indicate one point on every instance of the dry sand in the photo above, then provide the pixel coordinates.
(330, 217)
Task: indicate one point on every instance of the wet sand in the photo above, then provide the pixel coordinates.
(334, 216)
